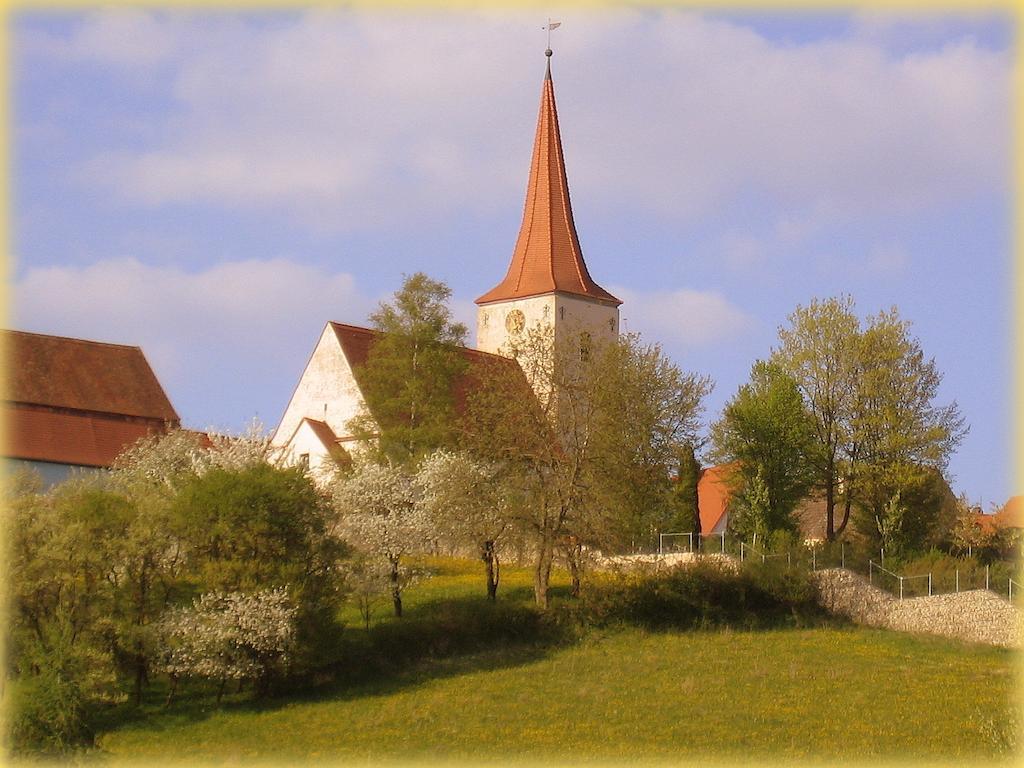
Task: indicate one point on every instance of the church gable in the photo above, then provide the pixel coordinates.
(327, 390)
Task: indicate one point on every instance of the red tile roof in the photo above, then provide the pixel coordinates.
(713, 494)
(1012, 513)
(83, 375)
(547, 257)
(356, 343)
(987, 523)
(67, 437)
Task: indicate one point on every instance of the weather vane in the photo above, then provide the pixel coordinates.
(551, 25)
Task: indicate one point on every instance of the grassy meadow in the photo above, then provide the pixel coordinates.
(822, 692)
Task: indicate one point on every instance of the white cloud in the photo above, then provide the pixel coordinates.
(741, 252)
(360, 118)
(683, 317)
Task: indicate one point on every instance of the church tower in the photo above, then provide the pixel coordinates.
(547, 282)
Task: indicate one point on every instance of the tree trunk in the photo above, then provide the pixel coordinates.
(830, 500)
(846, 511)
(220, 691)
(140, 676)
(396, 589)
(490, 558)
(174, 689)
(542, 572)
(573, 554)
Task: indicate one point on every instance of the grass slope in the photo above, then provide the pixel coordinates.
(837, 693)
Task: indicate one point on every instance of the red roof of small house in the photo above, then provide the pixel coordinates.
(713, 494)
(68, 437)
(985, 522)
(84, 376)
(547, 257)
(1012, 513)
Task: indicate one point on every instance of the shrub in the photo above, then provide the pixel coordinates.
(231, 636)
(59, 682)
(703, 595)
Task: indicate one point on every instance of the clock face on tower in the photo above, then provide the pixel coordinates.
(515, 321)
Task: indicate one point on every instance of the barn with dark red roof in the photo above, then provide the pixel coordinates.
(74, 403)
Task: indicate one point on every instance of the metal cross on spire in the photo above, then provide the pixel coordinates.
(550, 25)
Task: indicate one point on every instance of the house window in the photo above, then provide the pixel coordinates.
(304, 460)
(561, 313)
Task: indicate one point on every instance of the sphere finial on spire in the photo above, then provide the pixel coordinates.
(548, 53)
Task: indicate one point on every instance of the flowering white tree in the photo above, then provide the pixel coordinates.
(230, 636)
(251, 447)
(463, 498)
(379, 512)
(166, 461)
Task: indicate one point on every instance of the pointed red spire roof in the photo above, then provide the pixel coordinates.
(547, 256)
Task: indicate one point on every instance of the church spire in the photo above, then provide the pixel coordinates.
(547, 257)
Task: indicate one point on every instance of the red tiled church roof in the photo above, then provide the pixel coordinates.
(547, 257)
(83, 375)
(356, 343)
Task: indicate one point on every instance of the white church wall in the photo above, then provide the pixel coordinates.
(570, 316)
(306, 448)
(327, 391)
(491, 330)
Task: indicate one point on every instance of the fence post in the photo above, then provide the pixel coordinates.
(882, 550)
(901, 587)
(929, 583)
(661, 537)
(814, 559)
(743, 550)
(789, 558)
(723, 542)
(871, 565)
(690, 534)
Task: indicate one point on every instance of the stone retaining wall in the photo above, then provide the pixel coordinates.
(977, 615)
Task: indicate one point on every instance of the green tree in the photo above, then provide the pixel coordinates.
(819, 351)
(768, 432)
(687, 500)
(871, 393)
(646, 413)
(263, 526)
(409, 379)
(590, 459)
(900, 441)
(753, 516)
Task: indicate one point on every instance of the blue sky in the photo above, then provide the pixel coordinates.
(215, 187)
